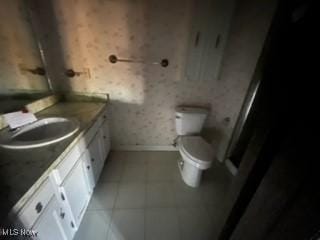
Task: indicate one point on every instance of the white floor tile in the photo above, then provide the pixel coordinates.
(112, 171)
(134, 174)
(161, 172)
(115, 162)
(118, 155)
(162, 224)
(104, 196)
(186, 196)
(215, 211)
(216, 214)
(213, 192)
(160, 194)
(135, 161)
(131, 195)
(194, 223)
(164, 158)
(127, 224)
(95, 225)
(137, 158)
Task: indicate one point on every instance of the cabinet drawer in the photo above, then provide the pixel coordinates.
(35, 206)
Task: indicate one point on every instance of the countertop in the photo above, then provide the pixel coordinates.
(23, 171)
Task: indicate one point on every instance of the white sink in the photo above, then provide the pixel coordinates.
(39, 133)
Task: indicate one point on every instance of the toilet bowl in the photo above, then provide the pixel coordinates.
(196, 156)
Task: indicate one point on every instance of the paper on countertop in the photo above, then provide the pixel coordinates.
(19, 118)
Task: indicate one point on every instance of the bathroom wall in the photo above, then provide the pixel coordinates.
(18, 50)
(143, 96)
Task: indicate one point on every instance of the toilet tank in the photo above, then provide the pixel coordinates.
(190, 120)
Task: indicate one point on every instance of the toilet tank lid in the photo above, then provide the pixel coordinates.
(182, 109)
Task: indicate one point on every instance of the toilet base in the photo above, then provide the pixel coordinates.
(191, 175)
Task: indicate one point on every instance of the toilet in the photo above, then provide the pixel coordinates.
(196, 154)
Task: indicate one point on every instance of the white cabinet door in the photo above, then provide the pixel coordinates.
(76, 191)
(87, 167)
(93, 158)
(106, 138)
(208, 35)
(196, 44)
(53, 223)
(101, 142)
(96, 152)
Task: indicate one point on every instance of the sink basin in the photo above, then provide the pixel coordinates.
(39, 133)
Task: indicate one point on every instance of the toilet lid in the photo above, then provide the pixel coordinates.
(197, 149)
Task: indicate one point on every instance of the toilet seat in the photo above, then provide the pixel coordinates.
(197, 150)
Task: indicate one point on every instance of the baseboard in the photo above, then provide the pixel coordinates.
(144, 148)
(231, 167)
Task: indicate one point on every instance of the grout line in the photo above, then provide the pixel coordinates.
(145, 201)
(113, 209)
(110, 223)
(179, 224)
(145, 214)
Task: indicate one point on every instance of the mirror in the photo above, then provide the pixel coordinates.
(22, 72)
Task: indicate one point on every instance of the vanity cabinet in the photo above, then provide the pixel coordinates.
(56, 209)
(86, 161)
(53, 223)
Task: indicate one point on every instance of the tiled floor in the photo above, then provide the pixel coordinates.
(140, 195)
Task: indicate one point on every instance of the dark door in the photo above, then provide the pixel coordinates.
(280, 198)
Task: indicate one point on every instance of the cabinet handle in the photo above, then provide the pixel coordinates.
(196, 42)
(72, 224)
(88, 167)
(62, 197)
(62, 214)
(218, 41)
(39, 207)
(92, 159)
(104, 137)
(104, 116)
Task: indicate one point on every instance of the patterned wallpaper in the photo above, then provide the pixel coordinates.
(18, 50)
(143, 96)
